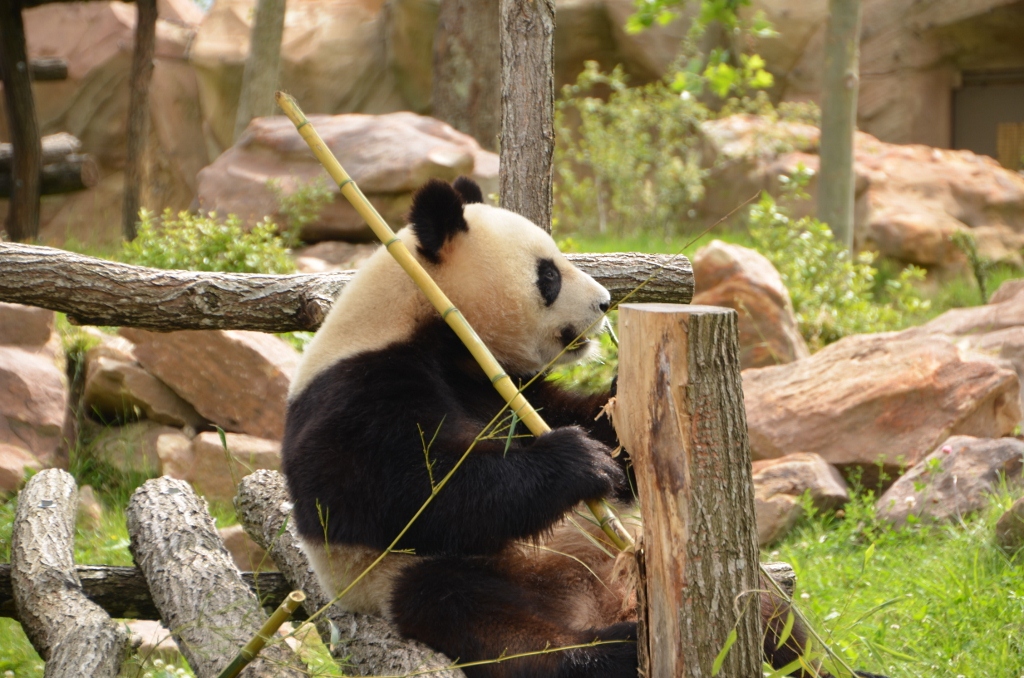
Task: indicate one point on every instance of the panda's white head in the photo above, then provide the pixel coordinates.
(518, 291)
(527, 302)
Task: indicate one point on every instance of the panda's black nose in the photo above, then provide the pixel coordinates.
(604, 306)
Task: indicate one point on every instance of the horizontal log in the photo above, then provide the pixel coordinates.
(123, 594)
(48, 69)
(55, 147)
(99, 292)
(74, 173)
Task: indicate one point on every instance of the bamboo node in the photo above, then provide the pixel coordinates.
(498, 377)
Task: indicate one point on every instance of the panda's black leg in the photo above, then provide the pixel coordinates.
(476, 609)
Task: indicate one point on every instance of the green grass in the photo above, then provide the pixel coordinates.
(923, 601)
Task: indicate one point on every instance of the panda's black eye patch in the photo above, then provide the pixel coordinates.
(549, 280)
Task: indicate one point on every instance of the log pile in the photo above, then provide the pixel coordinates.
(64, 169)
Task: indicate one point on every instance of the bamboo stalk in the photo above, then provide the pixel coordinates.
(269, 628)
(451, 315)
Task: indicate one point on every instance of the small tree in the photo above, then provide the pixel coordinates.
(259, 80)
(839, 118)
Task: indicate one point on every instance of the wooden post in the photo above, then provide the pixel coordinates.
(680, 414)
(23, 217)
(836, 179)
(138, 114)
(527, 108)
(259, 79)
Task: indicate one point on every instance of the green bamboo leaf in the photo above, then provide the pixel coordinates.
(729, 642)
(786, 630)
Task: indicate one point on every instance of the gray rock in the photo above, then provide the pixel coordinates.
(954, 480)
(1010, 528)
(779, 486)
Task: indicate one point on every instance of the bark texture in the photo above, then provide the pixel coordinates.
(72, 173)
(840, 84)
(527, 108)
(259, 79)
(138, 114)
(680, 414)
(123, 594)
(467, 63)
(99, 292)
(371, 644)
(199, 592)
(48, 69)
(72, 634)
(23, 214)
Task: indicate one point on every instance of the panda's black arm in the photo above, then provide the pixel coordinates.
(562, 407)
(502, 494)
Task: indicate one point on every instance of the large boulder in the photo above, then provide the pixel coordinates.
(954, 480)
(33, 399)
(25, 326)
(96, 39)
(134, 447)
(117, 388)
(237, 379)
(742, 279)
(15, 462)
(389, 156)
(878, 399)
(216, 471)
(909, 199)
(779, 487)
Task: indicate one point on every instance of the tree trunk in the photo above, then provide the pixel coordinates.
(73, 173)
(100, 292)
(467, 64)
(372, 645)
(138, 115)
(527, 108)
(680, 414)
(23, 214)
(197, 589)
(48, 69)
(73, 635)
(123, 594)
(836, 179)
(259, 80)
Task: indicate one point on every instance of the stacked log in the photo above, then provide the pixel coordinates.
(64, 168)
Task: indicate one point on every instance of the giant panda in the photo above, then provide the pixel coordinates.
(387, 399)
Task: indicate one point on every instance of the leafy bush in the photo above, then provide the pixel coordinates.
(202, 242)
(627, 164)
(834, 294)
(300, 207)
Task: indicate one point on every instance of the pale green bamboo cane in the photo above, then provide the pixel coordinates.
(269, 628)
(502, 382)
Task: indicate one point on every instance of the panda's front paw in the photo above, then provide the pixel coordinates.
(588, 467)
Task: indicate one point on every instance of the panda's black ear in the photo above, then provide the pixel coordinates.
(468, 189)
(436, 217)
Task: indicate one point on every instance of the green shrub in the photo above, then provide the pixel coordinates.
(834, 294)
(627, 164)
(202, 242)
(301, 207)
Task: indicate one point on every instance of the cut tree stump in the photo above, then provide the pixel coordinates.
(99, 292)
(679, 412)
(72, 634)
(199, 592)
(73, 173)
(372, 645)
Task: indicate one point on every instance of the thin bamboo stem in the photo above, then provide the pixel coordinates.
(451, 315)
(269, 628)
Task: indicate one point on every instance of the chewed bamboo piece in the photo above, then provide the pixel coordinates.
(451, 315)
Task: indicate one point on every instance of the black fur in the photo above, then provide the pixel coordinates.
(436, 217)
(469, 190)
(352, 453)
(549, 280)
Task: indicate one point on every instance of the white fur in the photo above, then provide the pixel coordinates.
(489, 273)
